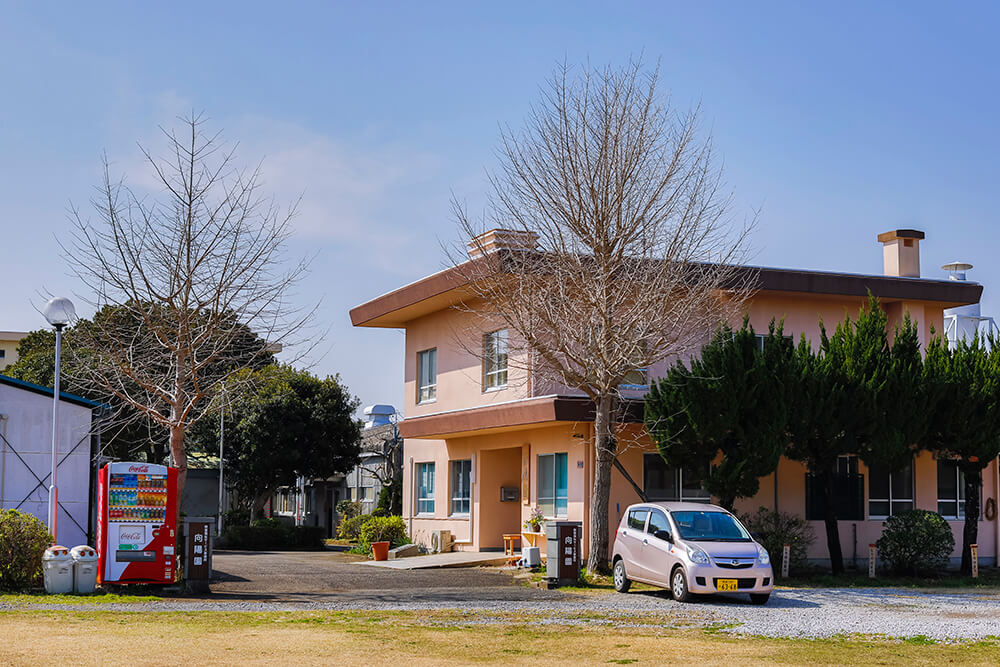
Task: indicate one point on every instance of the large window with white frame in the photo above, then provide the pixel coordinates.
(461, 486)
(553, 474)
(427, 375)
(950, 489)
(663, 482)
(889, 492)
(425, 488)
(495, 360)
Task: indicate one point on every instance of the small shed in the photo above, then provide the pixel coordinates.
(26, 451)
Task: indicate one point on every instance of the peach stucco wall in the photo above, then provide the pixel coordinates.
(504, 459)
(498, 460)
(459, 368)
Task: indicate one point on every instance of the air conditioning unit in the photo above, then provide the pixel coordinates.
(440, 541)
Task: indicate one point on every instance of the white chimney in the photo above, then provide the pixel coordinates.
(901, 252)
(495, 239)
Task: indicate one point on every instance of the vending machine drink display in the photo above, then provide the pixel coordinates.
(136, 527)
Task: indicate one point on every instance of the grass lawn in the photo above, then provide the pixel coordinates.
(102, 636)
(40, 597)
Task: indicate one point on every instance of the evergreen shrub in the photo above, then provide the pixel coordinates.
(916, 542)
(23, 541)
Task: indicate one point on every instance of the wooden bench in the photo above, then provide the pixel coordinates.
(508, 547)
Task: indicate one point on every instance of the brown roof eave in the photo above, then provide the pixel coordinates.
(549, 409)
(379, 311)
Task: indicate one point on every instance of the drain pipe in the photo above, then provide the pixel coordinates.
(996, 519)
(413, 497)
(472, 502)
(3, 459)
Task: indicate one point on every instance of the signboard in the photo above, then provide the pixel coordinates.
(198, 564)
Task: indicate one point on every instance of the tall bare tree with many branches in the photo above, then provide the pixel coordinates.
(190, 283)
(619, 248)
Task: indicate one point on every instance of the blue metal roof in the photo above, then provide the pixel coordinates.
(48, 391)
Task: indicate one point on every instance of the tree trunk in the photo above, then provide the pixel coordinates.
(604, 445)
(258, 503)
(970, 533)
(830, 520)
(727, 501)
(180, 462)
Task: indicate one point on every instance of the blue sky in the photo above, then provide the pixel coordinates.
(837, 122)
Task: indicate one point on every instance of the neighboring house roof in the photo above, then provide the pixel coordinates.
(445, 288)
(374, 439)
(48, 391)
(12, 335)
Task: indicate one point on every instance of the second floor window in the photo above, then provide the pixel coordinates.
(495, 360)
(427, 375)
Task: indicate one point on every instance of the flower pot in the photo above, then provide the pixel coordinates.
(380, 550)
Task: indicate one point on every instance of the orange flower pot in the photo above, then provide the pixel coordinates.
(380, 550)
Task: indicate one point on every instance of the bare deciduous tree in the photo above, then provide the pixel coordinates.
(189, 284)
(619, 248)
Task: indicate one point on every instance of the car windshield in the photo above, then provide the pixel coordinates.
(709, 526)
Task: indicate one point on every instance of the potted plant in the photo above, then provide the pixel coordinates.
(534, 521)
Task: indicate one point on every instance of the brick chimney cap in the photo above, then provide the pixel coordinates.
(886, 237)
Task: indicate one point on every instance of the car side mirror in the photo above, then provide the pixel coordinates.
(664, 535)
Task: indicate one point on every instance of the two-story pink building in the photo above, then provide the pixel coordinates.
(483, 444)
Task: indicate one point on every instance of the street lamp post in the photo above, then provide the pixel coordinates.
(59, 312)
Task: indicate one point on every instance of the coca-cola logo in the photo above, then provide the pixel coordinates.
(131, 537)
(138, 468)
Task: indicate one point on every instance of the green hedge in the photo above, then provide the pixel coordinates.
(390, 529)
(916, 542)
(23, 540)
(273, 537)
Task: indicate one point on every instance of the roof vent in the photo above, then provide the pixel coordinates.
(378, 415)
(956, 270)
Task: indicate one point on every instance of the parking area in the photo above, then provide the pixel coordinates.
(335, 577)
(329, 581)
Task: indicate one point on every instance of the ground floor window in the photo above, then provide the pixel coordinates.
(848, 488)
(889, 492)
(553, 474)
(461, 486)
(663, 482)
(950, 490)
(425, 488)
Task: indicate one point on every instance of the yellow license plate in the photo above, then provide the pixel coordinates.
(726, 585)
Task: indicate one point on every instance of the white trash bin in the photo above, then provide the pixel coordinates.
(57, 570)
(84, 569)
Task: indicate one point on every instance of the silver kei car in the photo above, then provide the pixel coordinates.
(689, 548)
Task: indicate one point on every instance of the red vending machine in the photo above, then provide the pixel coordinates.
(137, 523)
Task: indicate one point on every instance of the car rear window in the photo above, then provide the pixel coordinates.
(637, 519)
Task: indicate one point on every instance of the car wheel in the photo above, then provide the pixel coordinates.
(679, 586)
(622, 582)
(759, 598)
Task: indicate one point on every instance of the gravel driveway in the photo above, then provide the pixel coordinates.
(329, 581)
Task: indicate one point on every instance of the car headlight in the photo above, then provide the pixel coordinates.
(697, 555)
(762, 555)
